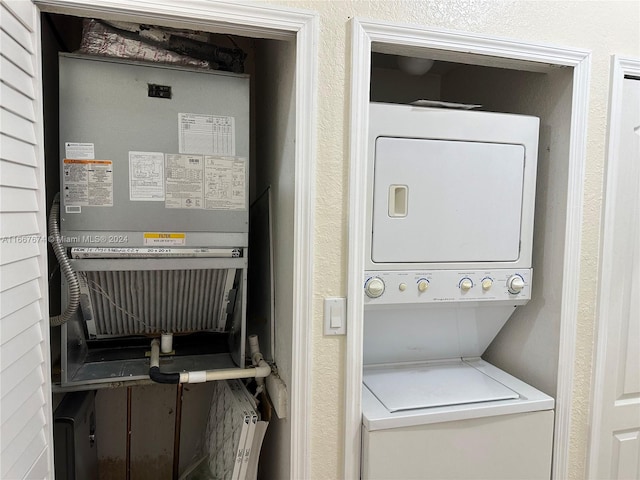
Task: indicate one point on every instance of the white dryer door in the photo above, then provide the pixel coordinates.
(446, 201)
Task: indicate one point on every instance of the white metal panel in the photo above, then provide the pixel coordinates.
(95, 91)
(417, 334)
(26, 437)
(505, 447)
(463, 201)
(615, 445)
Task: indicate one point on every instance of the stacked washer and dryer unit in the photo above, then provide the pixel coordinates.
(451, 210)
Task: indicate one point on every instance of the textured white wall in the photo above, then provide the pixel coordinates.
(603, 27)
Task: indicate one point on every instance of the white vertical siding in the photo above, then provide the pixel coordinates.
(25, 392)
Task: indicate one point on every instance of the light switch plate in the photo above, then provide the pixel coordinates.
(335, 316)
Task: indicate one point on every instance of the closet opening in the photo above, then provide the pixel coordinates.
(171, 428)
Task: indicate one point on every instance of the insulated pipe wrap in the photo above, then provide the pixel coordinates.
(157, 376)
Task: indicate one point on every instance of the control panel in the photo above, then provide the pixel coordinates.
(442, 286)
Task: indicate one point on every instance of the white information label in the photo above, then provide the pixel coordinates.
(206, 134)
(161, 239)
(224, 183)
(87, 183)
(146, 176)
(183, 188)
(79, 151)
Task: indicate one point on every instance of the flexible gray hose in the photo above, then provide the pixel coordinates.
(65, 266)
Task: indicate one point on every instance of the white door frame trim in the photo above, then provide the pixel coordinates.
(620, 66)
(260, 21)
(366, 32)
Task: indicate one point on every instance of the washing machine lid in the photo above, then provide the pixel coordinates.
(425, 385)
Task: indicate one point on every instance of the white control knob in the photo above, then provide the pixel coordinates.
(515, 284)
(466, 284)
(487, 283)
(423, 285)
(374, 287)
(402, 287)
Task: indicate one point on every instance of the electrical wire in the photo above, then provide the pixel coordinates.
(97, 288)
(65, 266)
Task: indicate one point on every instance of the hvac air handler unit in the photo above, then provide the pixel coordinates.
(152, 217)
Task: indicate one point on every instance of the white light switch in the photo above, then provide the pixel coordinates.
(335, 311)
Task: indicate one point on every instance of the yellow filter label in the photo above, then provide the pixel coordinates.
(165, 239)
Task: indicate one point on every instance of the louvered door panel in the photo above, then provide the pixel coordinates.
(16, 151)
(26, 446)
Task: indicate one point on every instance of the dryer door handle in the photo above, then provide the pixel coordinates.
(398, 200)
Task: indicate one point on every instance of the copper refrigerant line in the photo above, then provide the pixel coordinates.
(128, 456)
(259, 370)
(176, 432)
